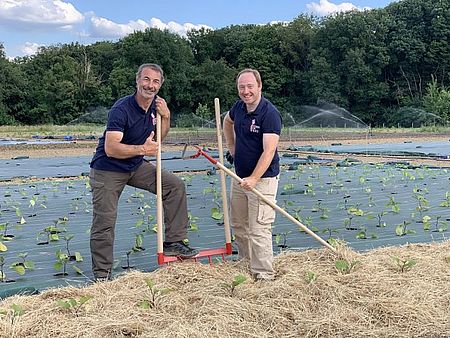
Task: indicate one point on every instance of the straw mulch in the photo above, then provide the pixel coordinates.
(374, 299)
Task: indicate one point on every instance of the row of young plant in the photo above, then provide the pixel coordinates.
(34, 200)
(23, 204)
(361, 195)
(299, 189)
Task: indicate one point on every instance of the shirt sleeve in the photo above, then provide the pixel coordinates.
(231, 113)
(272, 122)
(116, 120)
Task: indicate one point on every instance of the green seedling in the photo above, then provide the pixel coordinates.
(23, 265)
(5, 236)
(281, 239)
(446, 202)
(50, 233)
(401, 229)
(309, 189)
(311, 277)
(345, 267)
(404, 264)
(362, 234)
(381, 223)
(156, 294)
(193, 226)
(73, 257)
(297, 212)
(422, 204)
(74, 306)
(21, 220)
(287, 203)
(138, 242)
(216, 213)
(335, 242)
(138, 194)
(128, 254)
(426, 222)
(348, 223)
(33, 202)
(3, 247)
(395, 206)
(440, 226)
(13, 312)
(329, 231)
(61, 263)
(231, 287)
(288, 186)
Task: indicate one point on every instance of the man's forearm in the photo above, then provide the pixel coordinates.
(123, 151)
(263, 163)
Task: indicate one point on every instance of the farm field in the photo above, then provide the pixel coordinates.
(393, 213)
(366, 205)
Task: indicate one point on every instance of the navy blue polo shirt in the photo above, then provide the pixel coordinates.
(136, 125)
(249, 129)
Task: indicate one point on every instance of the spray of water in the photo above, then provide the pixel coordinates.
(328, 115)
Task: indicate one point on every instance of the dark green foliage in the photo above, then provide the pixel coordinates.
(381, 65)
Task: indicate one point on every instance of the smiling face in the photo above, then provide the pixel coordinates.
(148, 83)
(249, 90)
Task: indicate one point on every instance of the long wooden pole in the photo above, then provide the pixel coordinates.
(226, 219)
(269, 202)
(159, 206)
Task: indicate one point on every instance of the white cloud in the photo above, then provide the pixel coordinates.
(30, 48)
(104, 28)
(324, 7)
(29, 14)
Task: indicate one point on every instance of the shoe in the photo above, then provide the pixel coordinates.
(101, 279)
(263, 277)
(179, 249)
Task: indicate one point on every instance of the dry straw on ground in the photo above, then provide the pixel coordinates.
(309, 298)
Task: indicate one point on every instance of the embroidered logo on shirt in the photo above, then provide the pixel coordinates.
(154, 119)
(253, 127)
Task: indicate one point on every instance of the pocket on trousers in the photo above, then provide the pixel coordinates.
(266, 215)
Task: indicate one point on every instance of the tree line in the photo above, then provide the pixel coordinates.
(386, 66)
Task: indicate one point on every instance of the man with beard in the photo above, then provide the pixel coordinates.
(119, 161)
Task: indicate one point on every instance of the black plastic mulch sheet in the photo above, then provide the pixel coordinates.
(439, 149)
(365, 205)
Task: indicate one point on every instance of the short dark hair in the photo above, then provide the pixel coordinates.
(254, 72)
(153, 66)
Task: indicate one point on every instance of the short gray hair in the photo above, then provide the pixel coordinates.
(153, 66)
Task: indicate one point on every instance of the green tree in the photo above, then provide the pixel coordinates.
(437, 100)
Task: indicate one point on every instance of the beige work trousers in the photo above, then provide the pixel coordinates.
(252, 219)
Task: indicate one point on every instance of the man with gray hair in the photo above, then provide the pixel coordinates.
(119, 161)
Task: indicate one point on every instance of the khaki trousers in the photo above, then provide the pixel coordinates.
(252, 220)
(107, 186)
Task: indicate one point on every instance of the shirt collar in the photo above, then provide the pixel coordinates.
(137, 106)
(258, 107)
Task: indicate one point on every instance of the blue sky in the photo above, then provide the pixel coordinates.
(27, 24)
